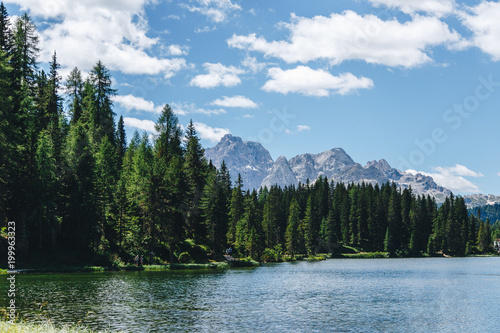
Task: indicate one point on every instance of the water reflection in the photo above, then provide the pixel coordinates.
(400, 295)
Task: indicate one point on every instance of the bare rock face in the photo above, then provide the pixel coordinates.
(250, 159)
(280, 173)
(257, 168)
(476, 200)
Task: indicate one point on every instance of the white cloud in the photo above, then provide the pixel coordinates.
(190, 108)
(115, 32)
(484, 23)
(237, 101)
(300, 128)
(142, 124)
(252, 64)
(130, 102)
(250, 116)
(216, 10)
(350, 36)
(498, 174)
(453, 178)
(204, 29)
(177, 50)
(459, 170)
(213, 134)
(218, 75)
(432, 7)
(310, 82)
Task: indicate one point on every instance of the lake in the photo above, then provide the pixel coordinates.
(337, 295)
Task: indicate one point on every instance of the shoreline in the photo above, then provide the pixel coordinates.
(216, 265)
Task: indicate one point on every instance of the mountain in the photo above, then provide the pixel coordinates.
(250, 159)
(257, 168)
(477, 200)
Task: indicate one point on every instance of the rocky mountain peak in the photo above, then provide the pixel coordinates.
(256, 166)
(228, 139)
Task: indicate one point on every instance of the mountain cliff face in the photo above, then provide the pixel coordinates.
(250, 159)
(477, 200)
(257, 168)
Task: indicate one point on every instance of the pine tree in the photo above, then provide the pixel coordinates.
(392, 241)
(6, 144)
(121, 142)
(102, 115)
(236, 210)
(47, 191)
(195, 168)
(106, 178)
(5, 31)
(292, 229)
(74, 90)
(310, 225)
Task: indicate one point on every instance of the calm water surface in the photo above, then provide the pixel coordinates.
(366, 295)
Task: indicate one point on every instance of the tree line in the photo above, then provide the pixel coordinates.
(76, 187)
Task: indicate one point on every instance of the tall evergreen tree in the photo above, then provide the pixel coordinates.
(292, 229)
(5, 31)
(74, 90)
(121, 142)
(236, 211)
(103, 114)
(195, 168)
(392, 240)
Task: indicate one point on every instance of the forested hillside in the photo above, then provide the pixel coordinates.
(80, 193)
(491, 212)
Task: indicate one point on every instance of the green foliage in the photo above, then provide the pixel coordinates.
(77, 188)
(272, 255)
(185, 258)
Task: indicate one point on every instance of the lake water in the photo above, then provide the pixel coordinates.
(338, 295)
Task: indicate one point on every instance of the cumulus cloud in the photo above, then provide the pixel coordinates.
(250, 116)
(350, 36)
(142, 124)
(453, 178)
(83, 32)
(483, 21)
(183, 109)
(310, 82)
(213, 134)
(237, 101)
(253, 65)
(216, 10)
(218, 75)
(177, 50)
(301, 128)
(432, 7)
(130, 102)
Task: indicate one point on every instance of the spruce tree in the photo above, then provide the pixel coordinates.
(74, 90)
(292, 229)
(195, 168)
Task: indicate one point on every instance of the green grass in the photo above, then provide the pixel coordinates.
(364, 255)
(317, 257)
(46, 327)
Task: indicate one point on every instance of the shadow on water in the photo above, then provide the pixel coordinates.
(355, 295)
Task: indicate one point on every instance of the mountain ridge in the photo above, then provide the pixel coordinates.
(258, 169)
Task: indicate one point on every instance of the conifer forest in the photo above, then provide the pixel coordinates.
(81, 192)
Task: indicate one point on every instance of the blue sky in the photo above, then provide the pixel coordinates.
(416, 82)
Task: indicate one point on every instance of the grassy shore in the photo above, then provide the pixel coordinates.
(167, 267)
(45, 327)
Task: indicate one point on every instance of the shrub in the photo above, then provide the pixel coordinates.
(185, 258)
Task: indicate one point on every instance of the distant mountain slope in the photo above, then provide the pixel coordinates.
(477, 200)
(257, 168)
(250, 159)
(491, 212)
